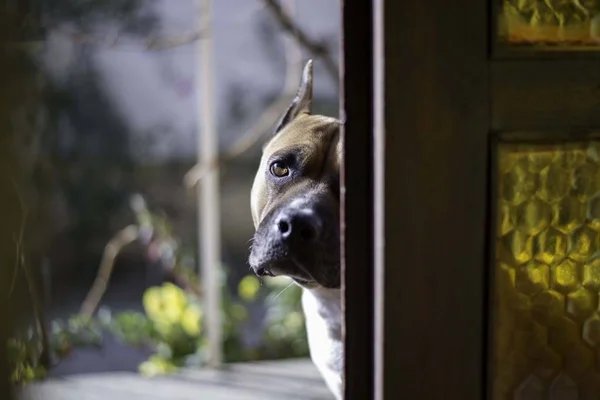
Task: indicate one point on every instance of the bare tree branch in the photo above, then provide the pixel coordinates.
(116, 244)
(39, 314)
(114, 41)
(19, 243)
(318, 49)
(185, 283)
(117, 42)
(112, 249)
(264, 124)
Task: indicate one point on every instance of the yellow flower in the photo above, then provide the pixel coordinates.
(156, 366)
(164, 303)
(172, 312)
(248, 287)
(173, 295)
(191, 320)
(152, 302)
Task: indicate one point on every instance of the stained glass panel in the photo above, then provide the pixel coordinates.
(546, 332)
(549, 23)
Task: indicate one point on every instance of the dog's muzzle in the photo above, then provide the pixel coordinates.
(295, 231)
(297, 240)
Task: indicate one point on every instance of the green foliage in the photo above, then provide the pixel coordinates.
(285, 329)
(132, 327)
(75, 332)
(24, 355)
(25, 350)
(171, 323)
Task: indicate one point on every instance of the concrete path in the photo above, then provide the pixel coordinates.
(274, 380)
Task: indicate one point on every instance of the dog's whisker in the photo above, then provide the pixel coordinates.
(284, 289)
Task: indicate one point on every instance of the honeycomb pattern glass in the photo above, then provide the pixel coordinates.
(570, 23)
(546, 319)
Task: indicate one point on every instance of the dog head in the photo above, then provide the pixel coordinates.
(295, 197)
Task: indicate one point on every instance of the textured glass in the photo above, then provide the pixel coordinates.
(550, 22)
(546, 330)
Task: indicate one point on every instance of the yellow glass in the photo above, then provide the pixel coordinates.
(546, 318)
(549, 22)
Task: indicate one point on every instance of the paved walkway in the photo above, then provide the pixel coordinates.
(274, 380)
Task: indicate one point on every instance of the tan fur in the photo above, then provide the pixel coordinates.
(315, 131)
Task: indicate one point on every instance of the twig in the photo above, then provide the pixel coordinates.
(47, 282)
(114, 41)
(38, 313)
(293, 60)
(185, 283)
(36, 303)
(18, 242)
(112, 249)
(20, 122)
(316, 48)
(117, 42)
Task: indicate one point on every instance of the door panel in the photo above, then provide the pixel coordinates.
(545, 94)
(545, 78)
(547, 25)
(546, 327)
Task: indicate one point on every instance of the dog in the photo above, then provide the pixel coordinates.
(295, 202)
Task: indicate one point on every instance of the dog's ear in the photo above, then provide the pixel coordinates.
(302, 103)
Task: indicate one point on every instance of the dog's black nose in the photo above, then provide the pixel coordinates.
(298, 226)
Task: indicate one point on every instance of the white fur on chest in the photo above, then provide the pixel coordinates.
(323, 311)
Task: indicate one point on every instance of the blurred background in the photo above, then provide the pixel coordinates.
(107, 143)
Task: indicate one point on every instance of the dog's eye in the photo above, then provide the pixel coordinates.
(279, 169)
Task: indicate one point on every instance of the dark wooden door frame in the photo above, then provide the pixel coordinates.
(356, 109)
(434, 82)
(417, 113)
(435, 123)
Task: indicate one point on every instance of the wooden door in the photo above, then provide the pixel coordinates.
(471, 265)
(545, 201)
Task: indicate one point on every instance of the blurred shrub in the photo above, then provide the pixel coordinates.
(171, 323)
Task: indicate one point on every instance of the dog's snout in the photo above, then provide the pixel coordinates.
(298, 225)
